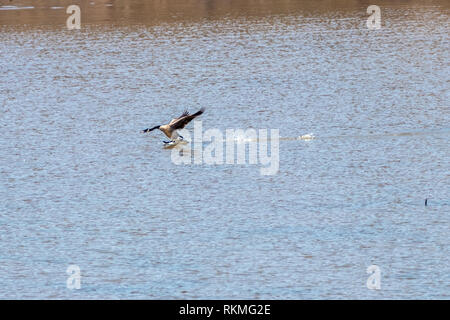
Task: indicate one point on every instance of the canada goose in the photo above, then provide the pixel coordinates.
(170, 129)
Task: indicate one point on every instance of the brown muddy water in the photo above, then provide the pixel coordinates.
(81, 185)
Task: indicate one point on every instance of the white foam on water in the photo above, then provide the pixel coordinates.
(308, 136)
(305, 137)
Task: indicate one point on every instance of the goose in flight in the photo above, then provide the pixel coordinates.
(170, 129)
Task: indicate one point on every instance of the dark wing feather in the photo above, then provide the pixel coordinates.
(181, 122)
(185, 113)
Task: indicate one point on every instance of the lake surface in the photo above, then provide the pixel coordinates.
(81, 185)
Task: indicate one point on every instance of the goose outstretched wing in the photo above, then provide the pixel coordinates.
(185, 118)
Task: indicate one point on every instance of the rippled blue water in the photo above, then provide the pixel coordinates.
(80, 184)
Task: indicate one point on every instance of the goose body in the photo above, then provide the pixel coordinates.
(170, 129)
